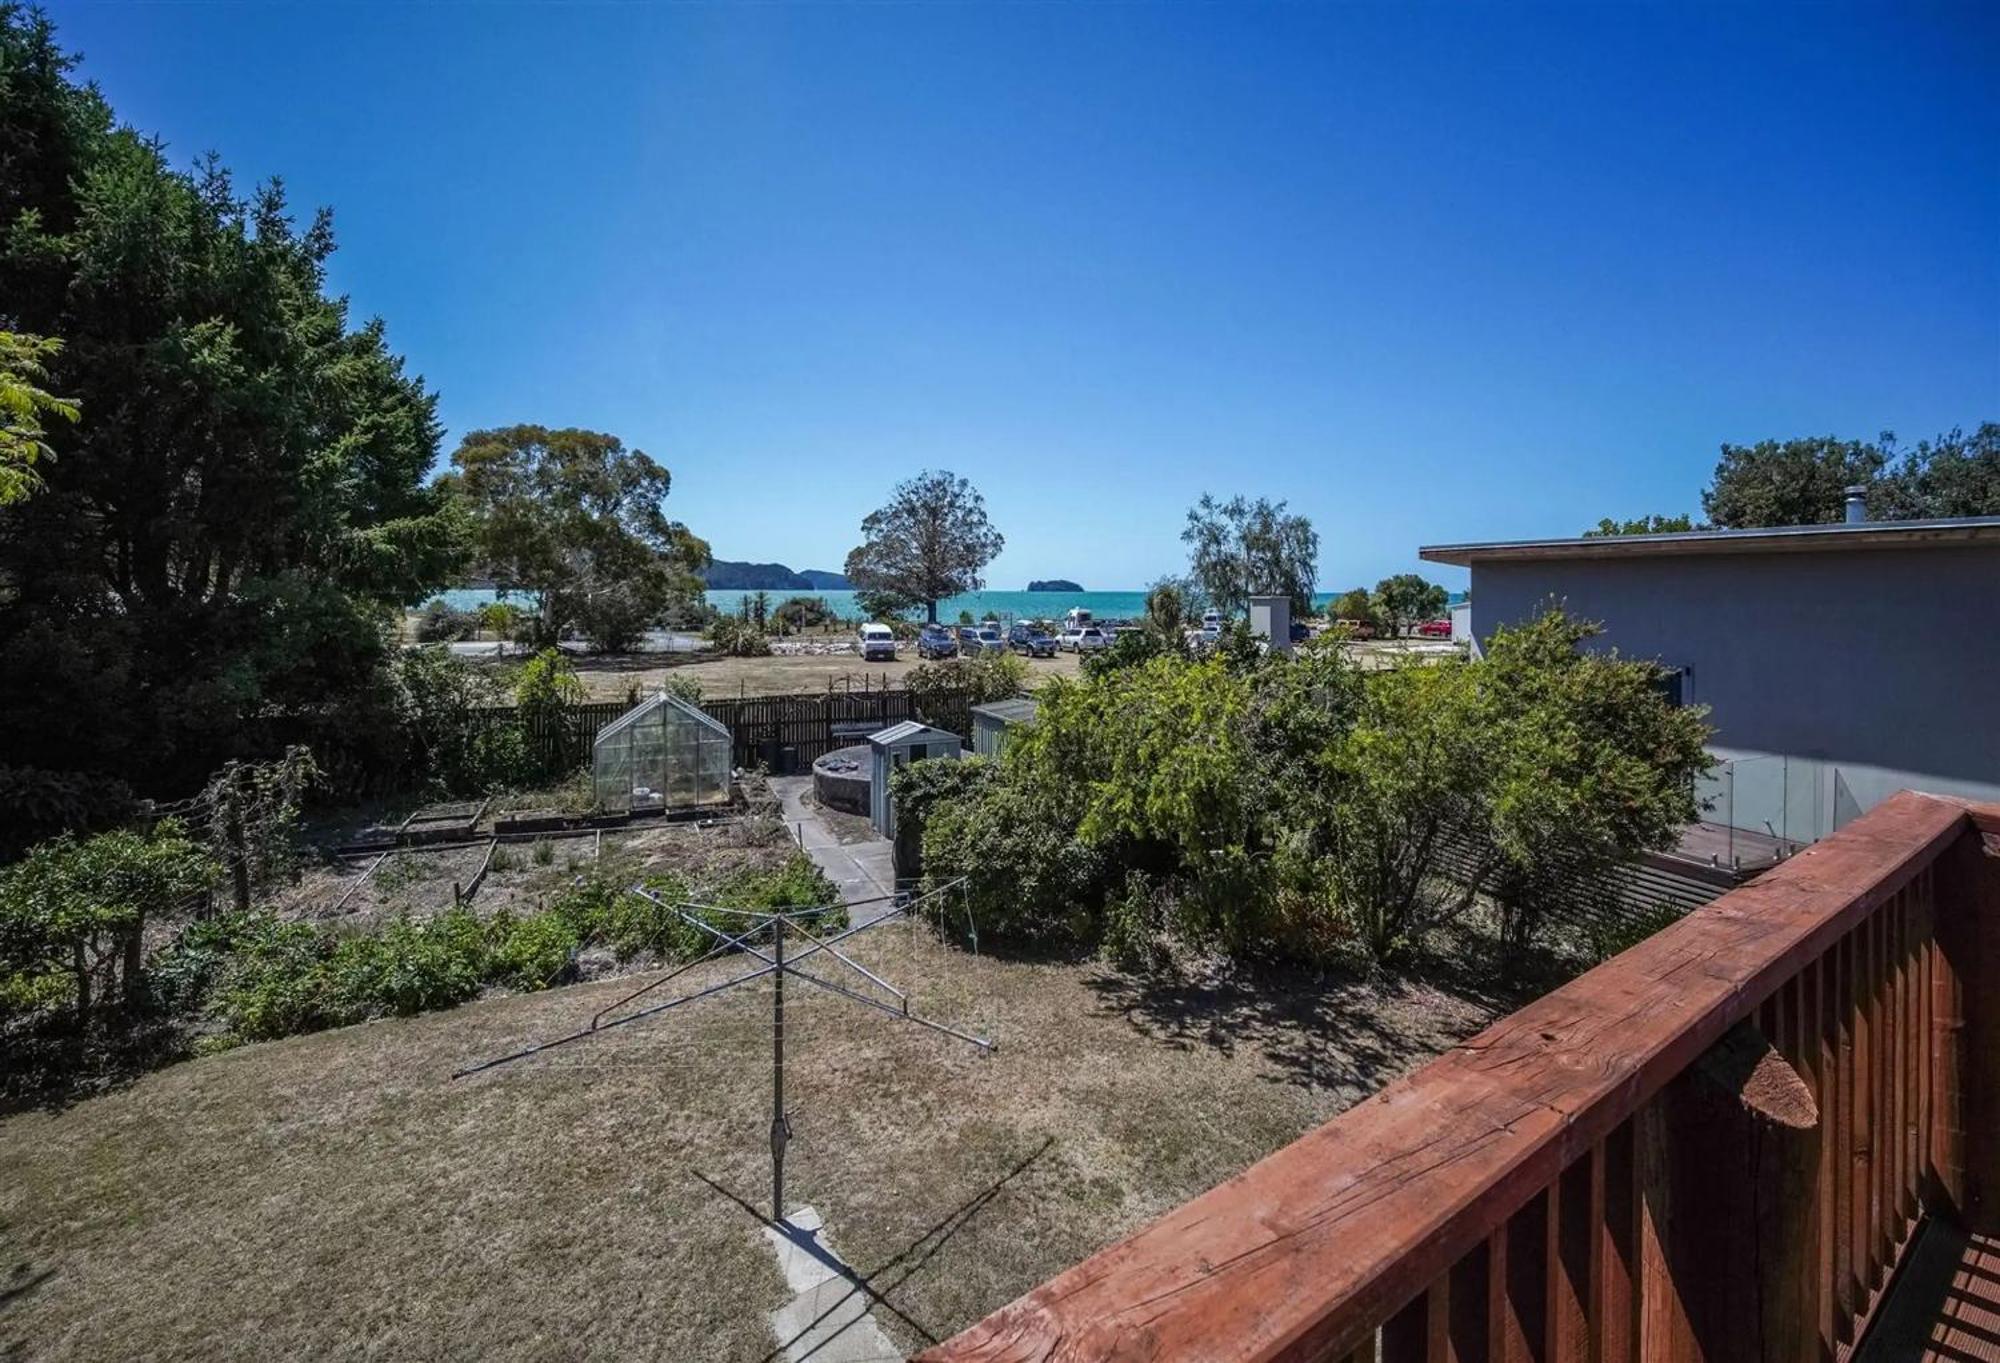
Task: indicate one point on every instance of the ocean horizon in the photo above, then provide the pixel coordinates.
(1008, 606)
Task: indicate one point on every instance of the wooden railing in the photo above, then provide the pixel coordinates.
(1714, 1146)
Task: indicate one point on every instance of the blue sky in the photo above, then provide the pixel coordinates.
(1430, 273)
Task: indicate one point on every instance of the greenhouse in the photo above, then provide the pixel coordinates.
(661, 754)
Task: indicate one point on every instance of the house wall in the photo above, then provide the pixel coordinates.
(1878, 669)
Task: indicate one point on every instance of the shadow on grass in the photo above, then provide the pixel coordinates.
(1346, 1027)
(894, 1271)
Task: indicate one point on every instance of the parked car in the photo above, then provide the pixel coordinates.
(990, 640)
(935, 641)
(1434, 629)
(1358, 629)
(1300, 632)
(878, 643)
(1032, 640)
(1066, 641)
(1091, 640)
(1207, 637)
(1211, 621)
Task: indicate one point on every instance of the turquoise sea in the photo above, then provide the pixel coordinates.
(1009, 606)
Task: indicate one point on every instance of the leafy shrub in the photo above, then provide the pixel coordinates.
(737, 638)
(797, 884)
(978, 679)
(77, 909)
(1027, 875)
(41, 804)
(441, 707)
(615, 616)
(533, 952)
(920, 787)
(803, 612)
(501, 619)
(439, 622)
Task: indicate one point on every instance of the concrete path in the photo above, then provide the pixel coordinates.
(864, 871)
(827, 1319)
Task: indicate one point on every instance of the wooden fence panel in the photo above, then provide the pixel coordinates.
(762, 728)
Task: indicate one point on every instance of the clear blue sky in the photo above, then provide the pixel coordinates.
(1430, 273)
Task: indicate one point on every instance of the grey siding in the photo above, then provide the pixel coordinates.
(1882, 664)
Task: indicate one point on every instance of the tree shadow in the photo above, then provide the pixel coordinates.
(1344, 1027)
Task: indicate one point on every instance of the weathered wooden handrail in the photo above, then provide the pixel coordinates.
(1571, 1184)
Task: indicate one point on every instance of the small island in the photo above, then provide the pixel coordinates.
(1053, 584)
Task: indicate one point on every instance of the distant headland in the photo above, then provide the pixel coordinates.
(1053, 584)
(728, 575)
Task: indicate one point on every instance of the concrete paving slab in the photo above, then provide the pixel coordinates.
(827, 1319)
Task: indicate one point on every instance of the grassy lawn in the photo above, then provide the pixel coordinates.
(337, 1196)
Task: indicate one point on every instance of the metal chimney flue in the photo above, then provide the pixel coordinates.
(1857, 503)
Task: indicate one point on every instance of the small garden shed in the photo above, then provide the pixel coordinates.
(898, 746)
(661, 754)
(991, 722)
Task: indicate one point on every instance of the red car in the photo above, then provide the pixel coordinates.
(1434, 629)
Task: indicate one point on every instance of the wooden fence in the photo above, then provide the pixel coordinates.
(771, 730)
(1715, 1146)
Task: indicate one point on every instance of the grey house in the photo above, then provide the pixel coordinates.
(1840, 662)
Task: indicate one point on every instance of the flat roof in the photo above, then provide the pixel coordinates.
(1934, 534)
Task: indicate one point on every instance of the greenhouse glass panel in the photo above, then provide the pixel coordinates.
(661, 754)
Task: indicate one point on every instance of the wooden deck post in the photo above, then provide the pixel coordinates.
(1966, 1032)
(1728, 1175)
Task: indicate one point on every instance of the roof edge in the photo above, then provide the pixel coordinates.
(1939, 533)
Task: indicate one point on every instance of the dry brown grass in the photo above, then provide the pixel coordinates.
(337, 1196)
(609, 678)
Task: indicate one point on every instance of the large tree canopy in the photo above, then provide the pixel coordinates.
(1408, 599)
(1804, 482)
(931, 541)
(221, 534)
(1239, 549)
(1788, 482)
(575, 517)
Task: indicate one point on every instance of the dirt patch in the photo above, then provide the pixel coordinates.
(522, 877)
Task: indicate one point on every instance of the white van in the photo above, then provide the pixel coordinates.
(878, 643)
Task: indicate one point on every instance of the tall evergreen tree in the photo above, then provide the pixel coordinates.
(242, 505)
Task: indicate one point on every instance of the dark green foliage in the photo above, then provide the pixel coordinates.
(440, 708)
(920, 787)
(1644, 525)
(1954, 475)
(440, 623)
(224, 533)
(1406, 600)
(40, 804)
(76, 910)
(285, 978)
(276, 978)
(1132, 648)
(945, 687)
(1789, 482)
(803, 612)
